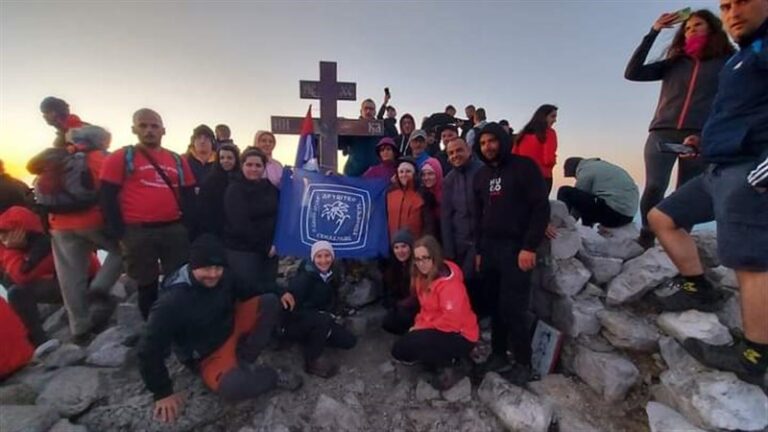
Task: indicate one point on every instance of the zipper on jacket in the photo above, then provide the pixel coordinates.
(689, 95)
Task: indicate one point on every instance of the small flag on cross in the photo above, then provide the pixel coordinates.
(306, 157)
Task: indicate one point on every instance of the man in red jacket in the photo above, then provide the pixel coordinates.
(56, 113)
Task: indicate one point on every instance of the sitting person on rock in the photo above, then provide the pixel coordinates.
(308, 302)
(604, 193)
(216, 326)
(399, 299)
(17, 351)
(26, 263)
(445, 329)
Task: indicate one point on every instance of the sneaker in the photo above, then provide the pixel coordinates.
(739, 358)
(288, 380)
(690, 295)
(321, 367)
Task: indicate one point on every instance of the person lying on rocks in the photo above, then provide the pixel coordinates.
(308, 302)
(399, 299)
(216, 326)
(26, 262)
(445, 329)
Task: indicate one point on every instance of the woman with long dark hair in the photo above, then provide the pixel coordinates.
(210, 198)
(538, 141)
(445, 329)
(689, 80)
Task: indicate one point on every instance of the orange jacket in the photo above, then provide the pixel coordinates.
(544, 154)
(89, 218)
(445, 306)
(406, 209)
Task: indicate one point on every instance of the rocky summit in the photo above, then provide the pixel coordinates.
(621, 364)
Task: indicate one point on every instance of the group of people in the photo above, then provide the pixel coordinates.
(468, 210)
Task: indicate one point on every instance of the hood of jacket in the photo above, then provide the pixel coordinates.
(20, 217)
(505, 144)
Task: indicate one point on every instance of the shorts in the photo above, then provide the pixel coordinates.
(740, 212)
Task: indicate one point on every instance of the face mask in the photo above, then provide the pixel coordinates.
(694, 45)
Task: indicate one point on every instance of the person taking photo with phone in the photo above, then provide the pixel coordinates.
(689, 80)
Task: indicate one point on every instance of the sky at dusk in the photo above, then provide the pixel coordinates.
(239, 62)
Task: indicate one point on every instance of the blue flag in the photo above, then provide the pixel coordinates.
(350, 213)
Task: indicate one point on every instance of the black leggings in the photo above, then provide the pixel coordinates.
(316, 330)
(591, 208)
(431, 347)
(400, 319)
(24, 300)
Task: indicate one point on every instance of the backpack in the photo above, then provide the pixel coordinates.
(64, 183)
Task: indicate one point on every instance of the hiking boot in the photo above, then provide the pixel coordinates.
(740, 358)
(496, 363)
(288, 380)
(321, 367)
(690, 295)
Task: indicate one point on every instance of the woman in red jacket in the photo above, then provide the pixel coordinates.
(445, 329)
(406, 208)
(538, 141)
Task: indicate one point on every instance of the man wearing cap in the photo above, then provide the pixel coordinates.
(604, 193)
(418, 145)
(56, 113)
(215, 326)
(388, 154)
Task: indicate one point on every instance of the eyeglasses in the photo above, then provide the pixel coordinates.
(422, 259)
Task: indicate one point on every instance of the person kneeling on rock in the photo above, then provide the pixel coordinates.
(216, 326)
(308, 303)
(445, 329)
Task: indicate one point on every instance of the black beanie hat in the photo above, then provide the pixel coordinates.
(207, 250)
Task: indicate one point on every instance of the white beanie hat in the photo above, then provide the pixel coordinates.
(319, 246)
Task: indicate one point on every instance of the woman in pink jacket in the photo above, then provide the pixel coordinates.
(445, 329)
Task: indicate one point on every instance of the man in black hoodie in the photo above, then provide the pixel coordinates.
(512, 211)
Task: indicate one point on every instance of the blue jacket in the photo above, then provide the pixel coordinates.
(737, 129)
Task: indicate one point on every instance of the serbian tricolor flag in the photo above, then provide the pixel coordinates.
(305, 153)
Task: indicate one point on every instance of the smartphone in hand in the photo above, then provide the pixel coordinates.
(683, 14)
(675, 148)
(386, 92)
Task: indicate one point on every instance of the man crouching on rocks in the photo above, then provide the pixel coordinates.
(216, 326)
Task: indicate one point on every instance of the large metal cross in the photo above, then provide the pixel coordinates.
(328, 90)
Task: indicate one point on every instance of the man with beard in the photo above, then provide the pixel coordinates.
(512, 213)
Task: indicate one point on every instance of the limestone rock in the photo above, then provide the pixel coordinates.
(111, 355)
(626, 331)
(722, 276)
(27, 418)
(129, 317)
(694, 324)
(124, 288)
(117, 335)
(568, 402)
(332, 414)
(66, 355)
(460, 392)
(639, 276)
(677, 358)
(662, 418)
(568, 241)
(715, 399)
(566, 277)
(706, 243)
(425, 391)
(626, 232)
(609, 374)
(17, 394)
(72, 391)
(618, 246)
(362, 293)
(516, 408)
(471, 421)
(576, 316)
(365, 319)
(730, 314)
(56, 321)
(603, 269)
(559, 216)
(64, 425)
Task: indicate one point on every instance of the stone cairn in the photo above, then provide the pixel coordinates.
(621, 365)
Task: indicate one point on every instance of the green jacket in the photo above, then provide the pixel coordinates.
(609, 182)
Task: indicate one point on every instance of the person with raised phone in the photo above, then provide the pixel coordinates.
(688, 74)
(734, 141)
